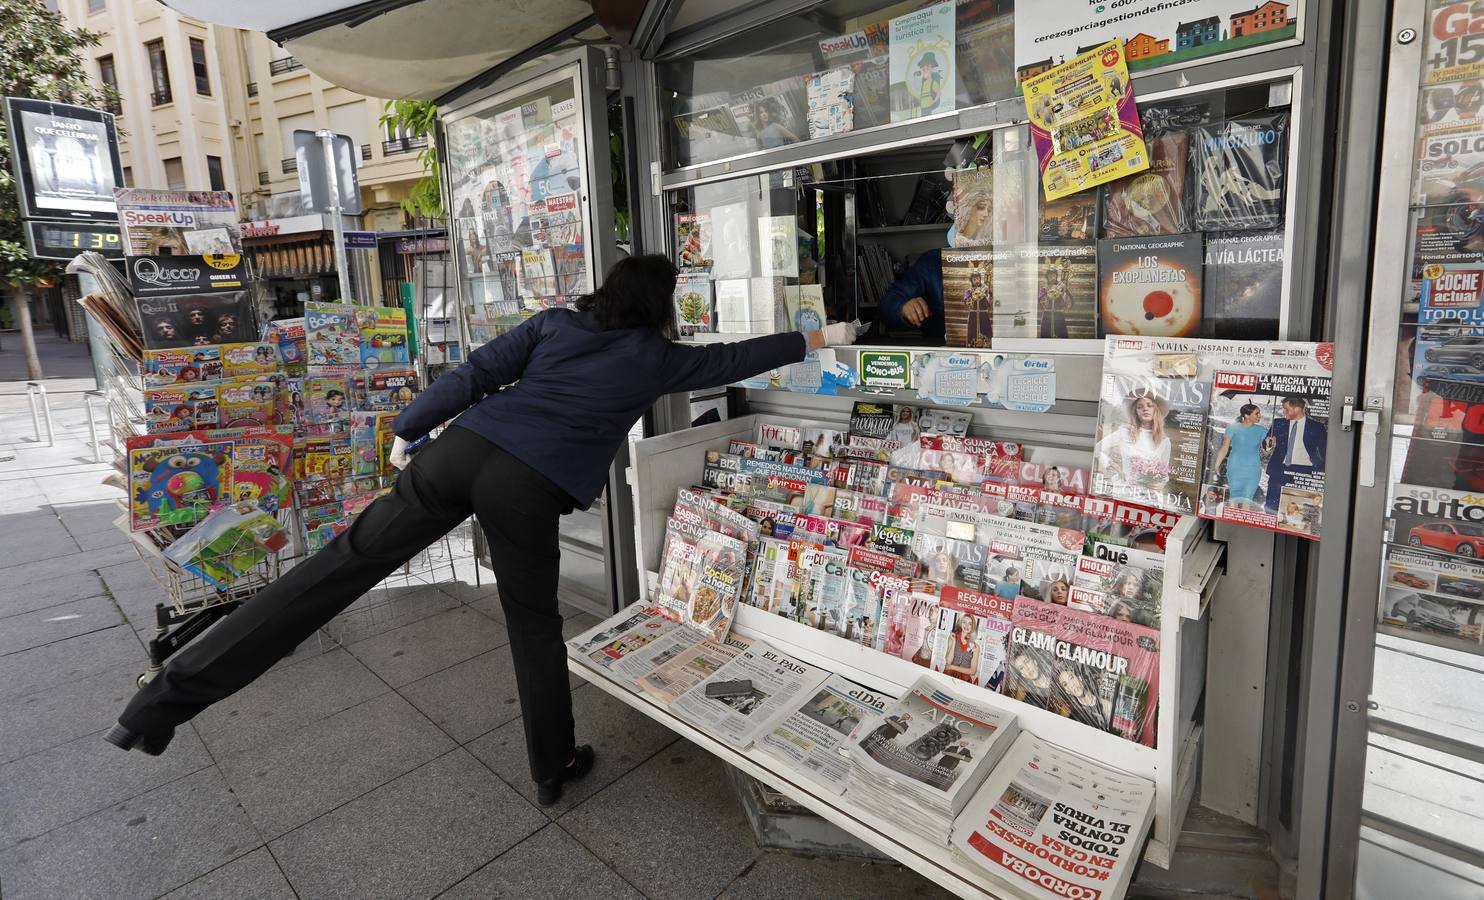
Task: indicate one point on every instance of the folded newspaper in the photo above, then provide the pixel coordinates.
(778, 684)
(1054, 824)
(932, 749)
(811, 740)
(612, 639)
(681, 673)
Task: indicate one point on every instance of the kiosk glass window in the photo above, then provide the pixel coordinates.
(830, 69)
(518, 191)
(1195, 247)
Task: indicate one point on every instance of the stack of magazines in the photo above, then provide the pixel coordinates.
(1055, 824)
(919, 765)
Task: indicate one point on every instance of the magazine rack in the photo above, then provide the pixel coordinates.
(664, 464)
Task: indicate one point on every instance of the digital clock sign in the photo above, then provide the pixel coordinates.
(64, 240)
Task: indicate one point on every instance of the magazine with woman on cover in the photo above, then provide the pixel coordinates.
(1151, 413)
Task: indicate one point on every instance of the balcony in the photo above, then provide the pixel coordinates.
(403, 145)
(282, 66)
(365, 152)
(290, 166)
(161, 98)
(252, 89)
(263, 178)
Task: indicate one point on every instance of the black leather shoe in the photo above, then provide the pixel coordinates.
(550, 790)
(152, 744)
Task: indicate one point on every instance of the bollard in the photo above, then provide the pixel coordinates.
(33, 389)
(88, 398)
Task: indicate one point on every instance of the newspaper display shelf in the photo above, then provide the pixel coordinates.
(660, 466)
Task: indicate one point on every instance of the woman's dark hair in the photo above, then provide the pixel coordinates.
(1246, 410)
(637, 292)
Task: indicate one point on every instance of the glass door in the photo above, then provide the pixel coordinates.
(1414, 667)
(529, 199)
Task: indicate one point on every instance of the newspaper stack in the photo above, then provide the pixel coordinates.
(1054, 824)
(811, 740)
(922, 762)
(779, 684)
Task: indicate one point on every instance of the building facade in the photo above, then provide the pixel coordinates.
(209, 107)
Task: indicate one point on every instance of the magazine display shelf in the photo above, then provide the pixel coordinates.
(664, 464)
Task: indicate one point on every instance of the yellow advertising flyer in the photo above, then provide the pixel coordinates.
(1084, 124)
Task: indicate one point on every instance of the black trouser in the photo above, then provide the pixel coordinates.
(459, 473)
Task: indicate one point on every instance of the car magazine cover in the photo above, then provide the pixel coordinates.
(971, 637)
(1067, 290)
(197, 320)
(934, 742)
(1267, 434)
(1153, 201)
(778, 683)
(610, 640)
(1434, 594)
(1438, 519)
(1151, 285)
(1151, 421)
(1243, 292)
(695, 310)
(176, 479)
(811, 739)
(1055, 824)
(1239, 167)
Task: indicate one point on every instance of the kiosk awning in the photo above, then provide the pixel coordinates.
(402, 49)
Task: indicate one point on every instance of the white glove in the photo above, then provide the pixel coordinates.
(399, 456)
(842, 333)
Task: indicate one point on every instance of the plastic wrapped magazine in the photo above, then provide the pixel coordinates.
(971, 636)
(1240, 168)
(225, 545)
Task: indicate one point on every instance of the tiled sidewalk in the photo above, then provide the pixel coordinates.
(391, 767)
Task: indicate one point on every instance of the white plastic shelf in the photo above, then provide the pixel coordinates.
(662, 465)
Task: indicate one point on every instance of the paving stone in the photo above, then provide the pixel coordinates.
(33, 536)
(429, 645)
(58, 714)
(292, 780)
(76, 779)
(56, 623)
(65, 587)
(412, 837)
(255, 876)
(138, 848)
(285, 700)
(549, 863)
(622, 737)
(679, 803)
(67, 561)
(783, 876)
(471, 698)
(29, 671)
